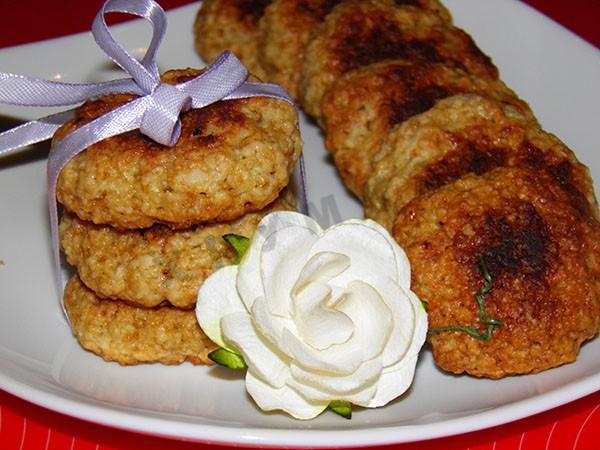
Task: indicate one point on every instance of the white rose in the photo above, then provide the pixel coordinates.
(318, 315)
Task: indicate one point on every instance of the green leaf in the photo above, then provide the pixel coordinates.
(227, 358)
(239, 243)
(490, 323)
(342, 408)
(425, 305)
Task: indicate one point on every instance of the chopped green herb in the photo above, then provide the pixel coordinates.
(342, 408)
(227, 358)
(425, 305)
(490, 322)
(239, 243)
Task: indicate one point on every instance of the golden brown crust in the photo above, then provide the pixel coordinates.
(359, 32)
(230, 25)
(233, 157)
(155, 265)
(129, 335)
(363, 105)
(288, 25)
(467, 134)
(543, 258)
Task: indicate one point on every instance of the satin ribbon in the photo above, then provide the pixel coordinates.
(155, 113)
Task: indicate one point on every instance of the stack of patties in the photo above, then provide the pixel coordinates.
(144, 223)
(497, 216)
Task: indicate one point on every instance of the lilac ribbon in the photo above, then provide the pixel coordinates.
(155, 113)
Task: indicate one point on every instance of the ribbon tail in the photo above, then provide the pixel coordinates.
(224, 76)
(31, 132)
(301, 194)
(29, 91)
(260, 90)
(120, 120)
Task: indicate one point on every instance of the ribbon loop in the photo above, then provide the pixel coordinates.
(145, 73)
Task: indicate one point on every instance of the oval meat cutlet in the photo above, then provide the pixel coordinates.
(362, 32)
(363, 105)
(287, 27)
(154, 265)
(233, 157)
(542, 256)
(467, 134)
(129, 335)
(230, 25)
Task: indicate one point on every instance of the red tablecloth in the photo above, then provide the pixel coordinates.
(26, 426)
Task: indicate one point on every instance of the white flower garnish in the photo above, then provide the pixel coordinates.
(318, 315)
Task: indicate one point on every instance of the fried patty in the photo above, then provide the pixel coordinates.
(233, 157)
(288, 25)
(363, 105)
(129, 335)
(362, 32)
(465, 134)
(154, 265)
(542, 255)
(230, 25)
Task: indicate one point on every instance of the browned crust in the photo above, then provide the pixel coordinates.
(359, 33)
(129, 335)
(542, 256)
(468, 134)
(287, 27)
(363, 105)
(230, 25)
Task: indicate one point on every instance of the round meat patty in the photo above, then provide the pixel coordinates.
(287, 27)
(541, 252)
(363, 105)
(230, 25)
(233, 157)
(465, 134)
(362, 32)
(154, 265)
(130, 335)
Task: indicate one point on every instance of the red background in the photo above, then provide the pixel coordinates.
(25, 426)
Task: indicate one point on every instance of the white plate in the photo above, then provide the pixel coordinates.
(41, 362)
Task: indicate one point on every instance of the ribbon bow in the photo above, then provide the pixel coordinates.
(155, 113)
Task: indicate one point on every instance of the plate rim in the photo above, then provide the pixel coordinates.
(113, 415)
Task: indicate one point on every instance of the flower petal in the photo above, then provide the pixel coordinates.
(421, 325)
(366, 247)
(402, 263)
(358, 397)
(403, 316)
(249, 282)
(284, 398)
(270, 326)
(371, 316)
(320, 326)
(218, 297)
(394, 381)
(265, 360)
(321, 267)
(337, 387)
(372, 323)
(282, 259)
